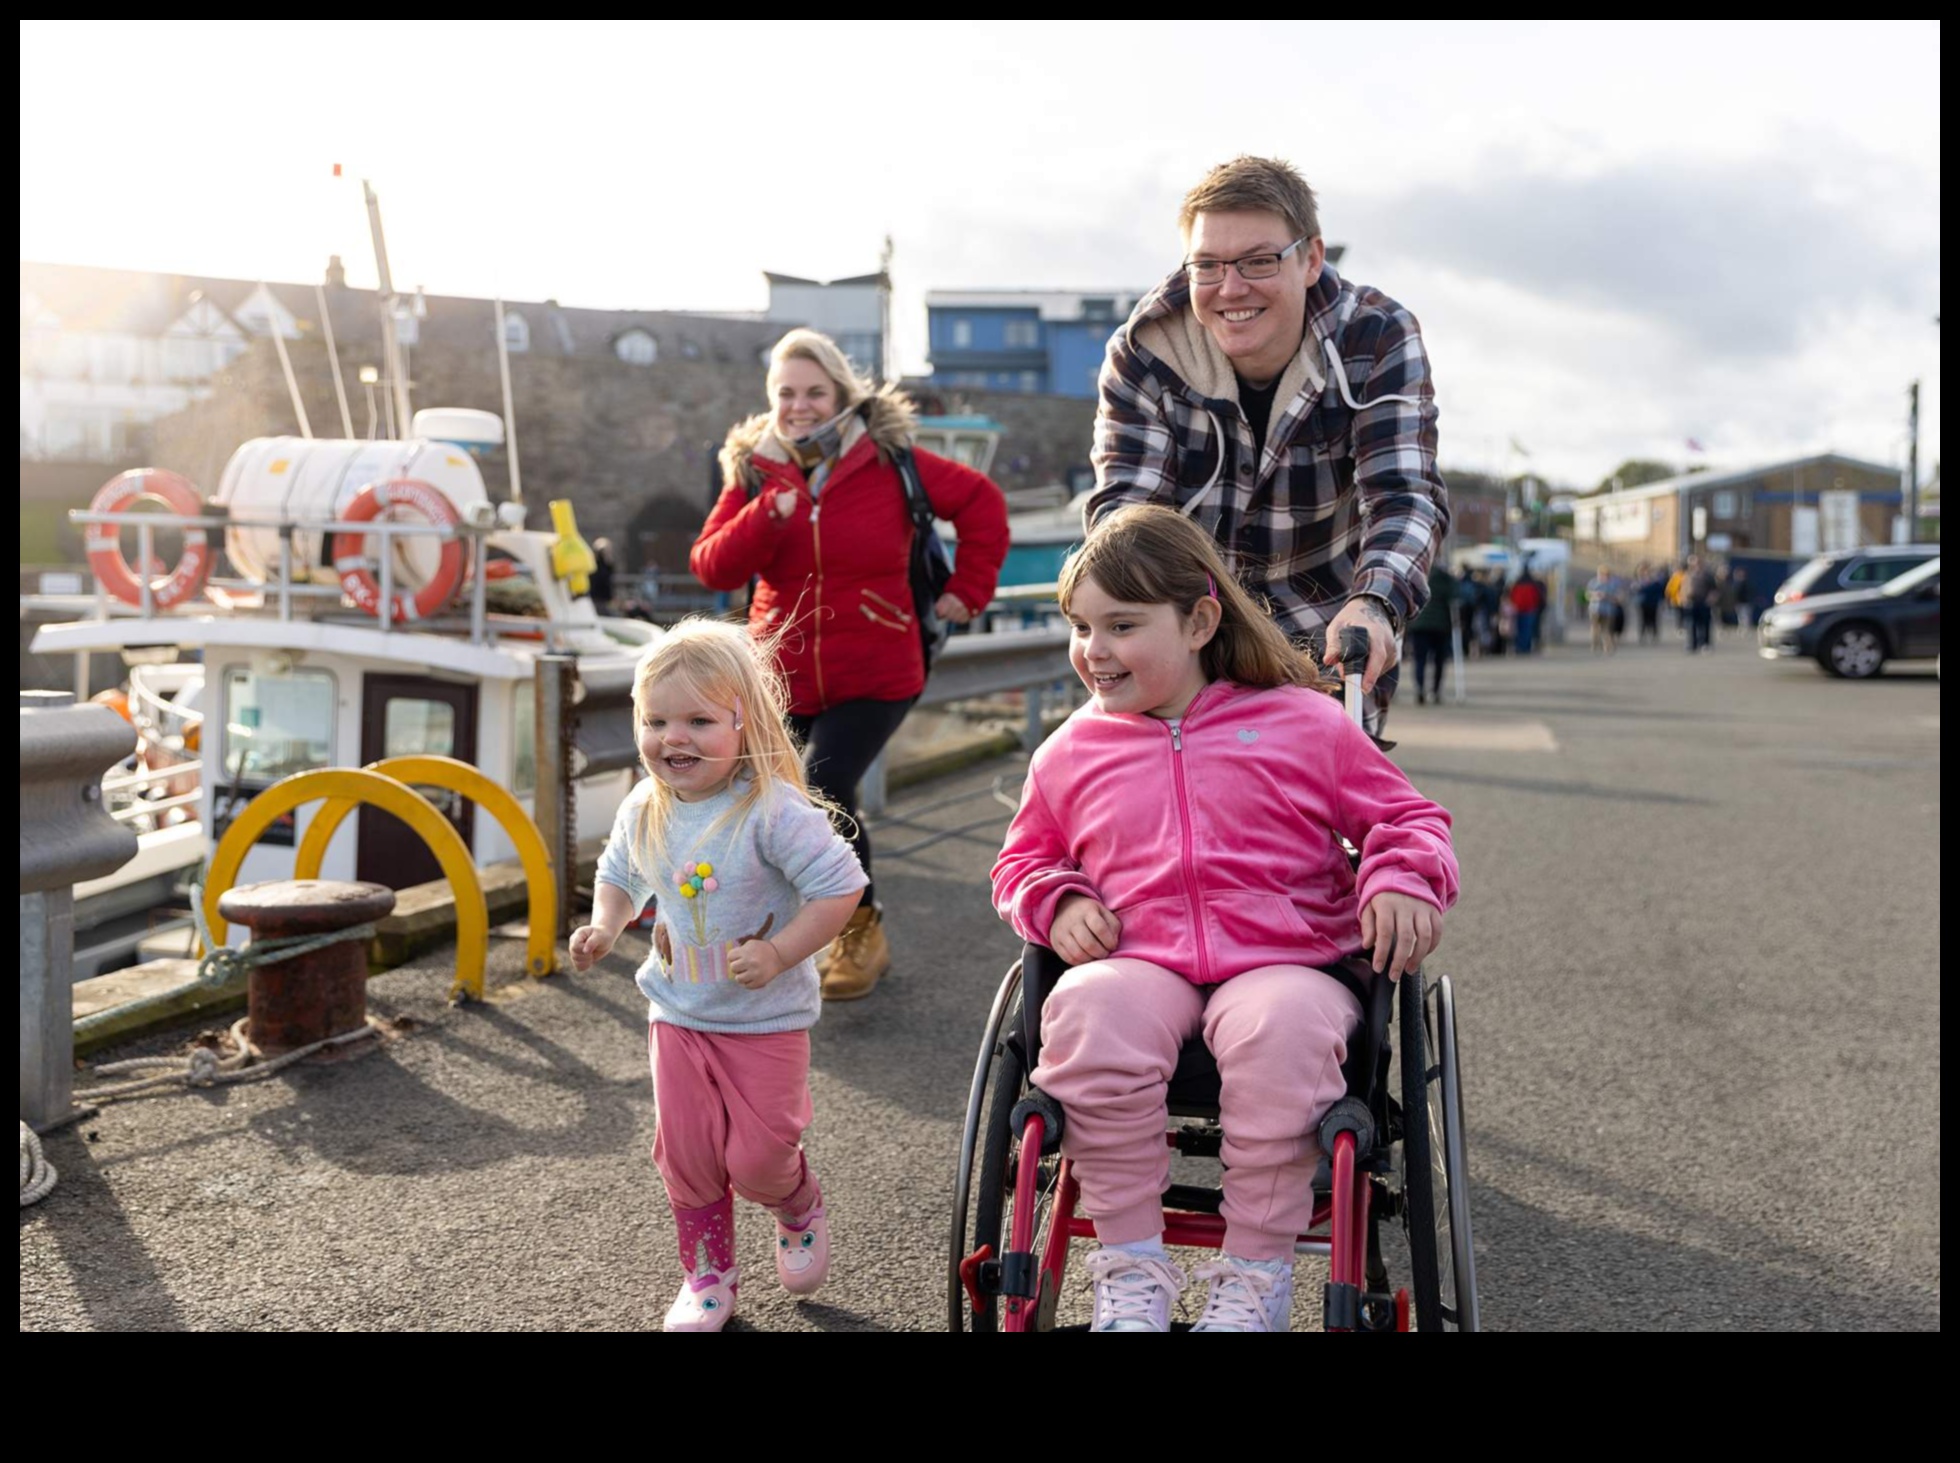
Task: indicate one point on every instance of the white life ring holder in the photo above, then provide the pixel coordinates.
(104, 540)
(357, 572)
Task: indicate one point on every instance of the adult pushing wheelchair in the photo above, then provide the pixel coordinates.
(1393, 1152)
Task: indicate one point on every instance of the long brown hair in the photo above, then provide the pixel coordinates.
(1145, 555)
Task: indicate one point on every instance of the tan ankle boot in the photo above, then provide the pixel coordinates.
(857, 957)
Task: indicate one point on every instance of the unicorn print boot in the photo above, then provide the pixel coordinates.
(710, 1275)
(803, 1249)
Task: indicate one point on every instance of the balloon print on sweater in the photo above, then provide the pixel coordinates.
(705, 960)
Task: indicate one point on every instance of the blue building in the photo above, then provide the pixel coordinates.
(1037, 342)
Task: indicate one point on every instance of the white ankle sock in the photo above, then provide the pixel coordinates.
(1153, 1247)
(1271, 1267)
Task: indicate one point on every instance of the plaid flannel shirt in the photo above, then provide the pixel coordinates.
(1344, 501)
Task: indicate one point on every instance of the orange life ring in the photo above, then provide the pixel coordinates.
(104, 540)
(357, 571)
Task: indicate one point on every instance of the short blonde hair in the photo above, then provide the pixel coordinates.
(1254, 185)
(803, 344)
(724, 664)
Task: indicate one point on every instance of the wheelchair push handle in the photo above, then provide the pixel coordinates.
(1354, 661)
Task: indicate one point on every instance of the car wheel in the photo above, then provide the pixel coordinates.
(1853, 651)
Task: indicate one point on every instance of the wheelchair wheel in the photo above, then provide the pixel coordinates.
(983, 1198)
(1435, 1173)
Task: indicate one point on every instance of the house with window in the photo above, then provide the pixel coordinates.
(1782, 510)
(854, 312)
(1036, 343)
(104, 353)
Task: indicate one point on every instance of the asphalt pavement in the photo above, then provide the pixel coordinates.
(1697, 955)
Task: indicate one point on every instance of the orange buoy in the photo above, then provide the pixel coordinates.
(104, 540)
(357, 571)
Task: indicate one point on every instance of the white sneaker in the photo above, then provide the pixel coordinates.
(1133, 1292)
(1246, 1295)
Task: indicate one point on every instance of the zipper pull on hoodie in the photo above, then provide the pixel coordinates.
(1177, 736)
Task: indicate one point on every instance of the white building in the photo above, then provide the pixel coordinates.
(854, 312)
(104, 352)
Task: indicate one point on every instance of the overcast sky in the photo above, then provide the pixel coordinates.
(1616, 237)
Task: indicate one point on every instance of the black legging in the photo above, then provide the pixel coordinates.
(1430, 649)
(838, 746)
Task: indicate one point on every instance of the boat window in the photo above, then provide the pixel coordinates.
(524, 741)
(417, 728)
(277, 724)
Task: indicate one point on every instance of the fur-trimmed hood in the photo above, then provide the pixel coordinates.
(887, 417)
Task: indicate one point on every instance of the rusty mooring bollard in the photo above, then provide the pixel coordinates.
(317, 993)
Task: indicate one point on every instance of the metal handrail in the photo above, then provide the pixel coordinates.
(148, 807)
(146, 525)
(149, 775)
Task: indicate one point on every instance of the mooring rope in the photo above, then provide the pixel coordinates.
(37, 1175)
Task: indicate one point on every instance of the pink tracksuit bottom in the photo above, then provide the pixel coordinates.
(730, 1112)
(1110, 1033)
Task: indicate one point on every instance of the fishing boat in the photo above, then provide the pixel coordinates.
(355, 624)
(1043, 523)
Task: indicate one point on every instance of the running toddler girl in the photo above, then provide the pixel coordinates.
(752, 882)
(1178, 844)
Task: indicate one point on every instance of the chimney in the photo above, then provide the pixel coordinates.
(336, 273)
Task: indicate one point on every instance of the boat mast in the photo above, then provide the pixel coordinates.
(390, 341)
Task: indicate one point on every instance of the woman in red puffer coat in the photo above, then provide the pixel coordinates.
(812, 507)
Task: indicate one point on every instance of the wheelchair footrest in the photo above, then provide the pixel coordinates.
(1193, 1199)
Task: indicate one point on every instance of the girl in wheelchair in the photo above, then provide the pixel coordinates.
(1179, 844)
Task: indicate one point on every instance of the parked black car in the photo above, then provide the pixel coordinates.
(1844, 570)
(1853, 634)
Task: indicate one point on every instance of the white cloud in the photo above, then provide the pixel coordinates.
(1617, 236)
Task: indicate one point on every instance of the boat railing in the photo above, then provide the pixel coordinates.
(283, 591)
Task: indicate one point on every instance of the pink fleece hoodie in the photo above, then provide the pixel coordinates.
(1213, 837)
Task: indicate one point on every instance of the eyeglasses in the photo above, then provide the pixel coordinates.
(1251, 266)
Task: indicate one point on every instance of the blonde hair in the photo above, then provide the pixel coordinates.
(1145, 555)
(804, 344)
(1254, 185)
(723, 664)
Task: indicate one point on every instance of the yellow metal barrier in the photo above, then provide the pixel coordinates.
(460, 777)
(472, 913)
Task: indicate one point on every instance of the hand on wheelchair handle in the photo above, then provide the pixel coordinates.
(1084, 930)
(1360, 642)
(1401, 931)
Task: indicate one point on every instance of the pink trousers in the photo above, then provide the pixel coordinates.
(1110, 1033)
(730, 1112)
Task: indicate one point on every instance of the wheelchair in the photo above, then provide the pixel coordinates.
(1394, 1152)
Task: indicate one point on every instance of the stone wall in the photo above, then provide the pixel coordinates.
(632, 447)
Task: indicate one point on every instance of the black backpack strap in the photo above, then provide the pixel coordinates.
(915, 491)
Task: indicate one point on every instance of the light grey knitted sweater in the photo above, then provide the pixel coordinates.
(742, 881)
